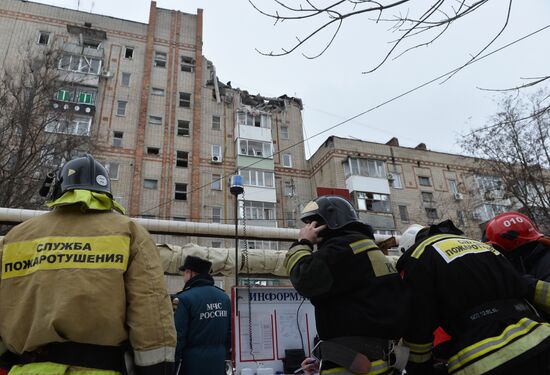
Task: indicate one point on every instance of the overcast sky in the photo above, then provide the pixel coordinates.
(332, 87)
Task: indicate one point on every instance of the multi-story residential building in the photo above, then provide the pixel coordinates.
(393, 186)
(168, 131)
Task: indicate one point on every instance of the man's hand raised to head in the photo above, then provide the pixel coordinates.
(311, 232)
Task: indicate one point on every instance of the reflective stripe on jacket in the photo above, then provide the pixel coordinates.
(90, 277)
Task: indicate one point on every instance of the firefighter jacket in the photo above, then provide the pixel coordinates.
(474, 294)
(348, 280)
(85, 276)
(203, 318)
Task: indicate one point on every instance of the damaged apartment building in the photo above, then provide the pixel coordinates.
(169, 132)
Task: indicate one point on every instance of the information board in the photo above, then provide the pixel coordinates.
(279, 315)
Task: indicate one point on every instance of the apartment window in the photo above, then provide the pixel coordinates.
(403, 214)
(396, 182)
(129, 53)
(256, 177)
(216, 153)
(85, 97)
(185, 100)
(288, 189)
(121, 108)
(427, 197)
(424, 181)
(155, 120)
(216, 182)
(181, 192)
(364, 167)
(431, 213)
(112, 169)
(160, 59)
(153, 150)
(179, 218)
(284, 132)
(453, 187)
(183, 128)
(257, 120)
(216, 244)
(125, 81)
(76, 126)
(64, 95)
(150, 183)
(187, 64)
(287, 160)
(44, 37)
(216, 215)
(216, 123)
(259, 210)
(80, 64)
(182, 159)
(255, 148)
(117, 139)
(290, 222)
(157, 91)
(489, 182)
(373, 202)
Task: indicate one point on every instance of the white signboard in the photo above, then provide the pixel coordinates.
(281, 319)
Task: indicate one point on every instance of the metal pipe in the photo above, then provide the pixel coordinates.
(18, 215)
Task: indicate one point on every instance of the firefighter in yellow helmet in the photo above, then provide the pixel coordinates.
(82, 286)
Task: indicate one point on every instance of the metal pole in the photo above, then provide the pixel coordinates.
(236, 240)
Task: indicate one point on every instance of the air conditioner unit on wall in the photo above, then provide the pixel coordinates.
(459, 196)
(216, 159)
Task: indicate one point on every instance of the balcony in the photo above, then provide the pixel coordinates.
(78, 100)
(81, 64)
(370, 184)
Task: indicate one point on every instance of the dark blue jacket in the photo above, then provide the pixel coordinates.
(202, 322)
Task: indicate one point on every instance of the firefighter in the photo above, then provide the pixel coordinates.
(82, 286)
(349, 282)
(472, 292)
(515, 236)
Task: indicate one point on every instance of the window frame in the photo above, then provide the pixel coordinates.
(118, 142)
(429, 210)
(284, 133)
(218, 122)
(182, 192)
(150, 181)
(403, 213)
(160, 59)
(425, 179)
(47, 34)
(427, 196)
(157, 91)
(217, 217)
(118, 108)
(216, 181)
(182, 157)
(155, 120)
(152, 150)
(366, 199)
(123, 82)
(184, 102)
(109, 167)
(285, 158)
(129, 48)
(183, 126)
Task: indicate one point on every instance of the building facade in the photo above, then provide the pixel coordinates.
(169, 132)
(393, 186)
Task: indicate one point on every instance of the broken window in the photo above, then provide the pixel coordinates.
(44, 37)
(117, 139)
(153, 150)
(255, 148)
(187, 64)
(373, 202)
(128, 53)
(155, 120)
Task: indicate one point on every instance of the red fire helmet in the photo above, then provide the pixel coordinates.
(510, 230)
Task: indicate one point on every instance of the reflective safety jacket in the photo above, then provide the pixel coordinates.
(91, 277)
(355, 289)
(474, 294)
